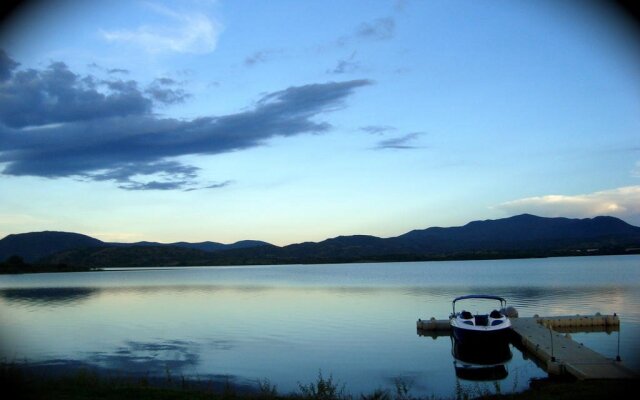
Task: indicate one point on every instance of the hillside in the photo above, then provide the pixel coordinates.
(35, 245)
(515, 237)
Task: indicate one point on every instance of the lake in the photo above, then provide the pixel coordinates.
(354, 322)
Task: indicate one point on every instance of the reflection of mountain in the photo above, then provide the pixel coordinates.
(47, 296)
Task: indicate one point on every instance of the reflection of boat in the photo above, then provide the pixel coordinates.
(480, 363)
(481, 330)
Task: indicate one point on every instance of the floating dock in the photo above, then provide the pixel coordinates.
(556, 351)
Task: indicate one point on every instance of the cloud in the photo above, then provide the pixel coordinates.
(380, 29)
(377, 30)
(55, 94)
(55, 124)
(191, 32)
(7, 65)
(211, 186)
(161, 90)
(399, 143)
(118, 71)
(377, 129)
(347, 65)
(260, 57)
(622, 202)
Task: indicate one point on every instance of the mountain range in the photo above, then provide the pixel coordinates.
(514, 237)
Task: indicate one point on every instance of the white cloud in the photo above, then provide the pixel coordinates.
(621, 202)
(192, 32)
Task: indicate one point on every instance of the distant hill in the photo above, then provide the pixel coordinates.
(522, 232)
(35, 245)
(519, 236)
(514, 237)
(130, 256)
(204, 246)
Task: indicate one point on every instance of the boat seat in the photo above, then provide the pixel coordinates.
(496, 318)
(467, 318)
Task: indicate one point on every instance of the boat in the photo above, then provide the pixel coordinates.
(492, 328)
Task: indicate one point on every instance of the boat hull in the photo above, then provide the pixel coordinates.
(482, 337)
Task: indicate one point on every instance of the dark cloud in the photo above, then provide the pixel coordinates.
(7, 65)
(55, 124)
(401, 143)
(56, 95)
(173, 174)
(163, 90)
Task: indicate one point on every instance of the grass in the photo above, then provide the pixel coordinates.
(85, 384)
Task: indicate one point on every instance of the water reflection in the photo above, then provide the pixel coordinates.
(480, 363)
(166, 377)
(355, 322)
(149, 357)
(48, 296)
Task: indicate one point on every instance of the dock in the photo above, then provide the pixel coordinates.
(557, 352)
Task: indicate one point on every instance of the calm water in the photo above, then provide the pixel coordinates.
(355, 322)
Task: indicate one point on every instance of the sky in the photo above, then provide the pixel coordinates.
(290, 121)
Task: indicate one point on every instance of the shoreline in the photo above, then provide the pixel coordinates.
(26, 383)
(12, 268)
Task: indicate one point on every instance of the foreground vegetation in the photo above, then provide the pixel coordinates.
(85, 384)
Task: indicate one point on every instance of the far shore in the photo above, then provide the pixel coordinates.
(15, 264)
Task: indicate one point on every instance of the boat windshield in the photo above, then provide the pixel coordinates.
(503, 302)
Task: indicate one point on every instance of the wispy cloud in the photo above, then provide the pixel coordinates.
(346, 65)
(118, 71)
(377, 129)
(399, 143)
(379, 29)
(181, 32)
(623, 202)
(260, 57)
(55, 123)
(211, 186)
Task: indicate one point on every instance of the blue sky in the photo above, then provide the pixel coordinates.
(291, 121)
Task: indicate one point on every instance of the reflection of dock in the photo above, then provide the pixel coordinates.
(557, 351)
